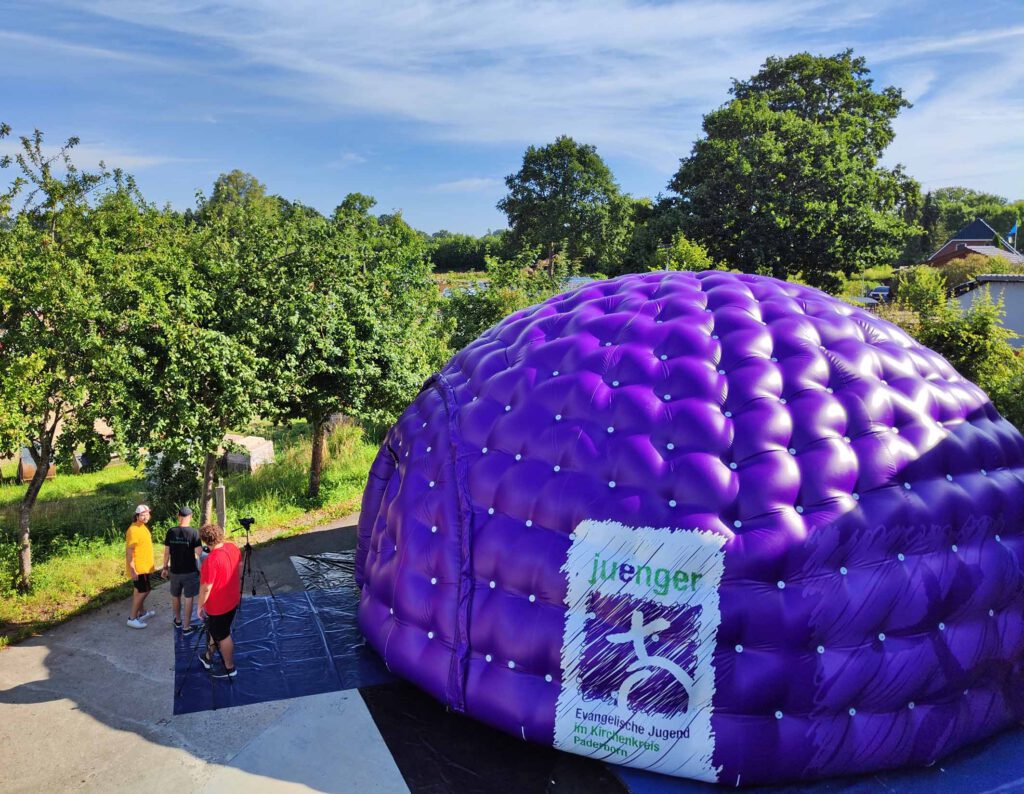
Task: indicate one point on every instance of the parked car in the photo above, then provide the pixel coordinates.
(879, 293)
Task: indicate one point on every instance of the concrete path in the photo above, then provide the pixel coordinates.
(87, 706)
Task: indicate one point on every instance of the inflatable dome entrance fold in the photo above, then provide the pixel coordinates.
(713, 525)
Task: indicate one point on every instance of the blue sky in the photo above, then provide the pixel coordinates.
(429, 105)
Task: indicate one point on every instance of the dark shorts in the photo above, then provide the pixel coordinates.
(219, 626)
(141, 583)
(186, 584)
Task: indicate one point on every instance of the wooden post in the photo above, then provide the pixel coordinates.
(221, 504)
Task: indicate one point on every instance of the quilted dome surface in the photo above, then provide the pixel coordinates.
(714, 525)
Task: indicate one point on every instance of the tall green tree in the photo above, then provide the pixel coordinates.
(66, 294)
(564, 199)
(787, 179)
(355, 327)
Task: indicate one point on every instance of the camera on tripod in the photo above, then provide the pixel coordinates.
(247, 523)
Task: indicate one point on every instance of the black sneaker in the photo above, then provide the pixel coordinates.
(177, 623)
(205, 661)
(225, 673)
(188, 631)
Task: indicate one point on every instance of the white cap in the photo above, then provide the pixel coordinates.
(141, 509)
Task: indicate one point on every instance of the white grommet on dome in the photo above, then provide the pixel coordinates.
(906, 485)
(843, 570)
(847, 439)
(820, 649)
(901, 557)
(954, 547)
(999, 539)
(782, 400)
(611, 429)
(529, 522)
(667, 397)
(392, 610)
(714, 336)
(547, 677)
(780, 584)
(800, 509)
(942, 627)
(733, 465)
(532, 598)
(984, 473)
(490, 511)
(739, 649)
(519, 456)
(852, 712)
(721, 372)
(671, 502)
(910, 705)
(611, 483)
(554, 374)
(484, 450)
(707, 310)
(896, 430)
(737, 524)
(429, 449)
(775, 359)
(615, 383)
(430, 635)
(434, 529)
(791, 451)
(431, 483)
(778, 715)
(830, 390)
(558, 468)
(423, 425)
(558, 417)
(856, 496)
(728, 414)
(607, 344)
(881, 636)
(493, 584)
(511, 665)
(488, 658)
(663, 357)
(508, 408)
(949, 477)
(991, 613)
(670, 446)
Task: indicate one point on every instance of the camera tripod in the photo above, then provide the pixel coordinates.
(248, 568)
(201, 642)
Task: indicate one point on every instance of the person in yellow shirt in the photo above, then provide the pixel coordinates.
(138, 559)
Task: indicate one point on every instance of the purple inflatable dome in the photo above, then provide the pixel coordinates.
(713, 525)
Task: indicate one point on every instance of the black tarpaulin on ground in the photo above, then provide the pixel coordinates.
(296, 644)
(323, 571)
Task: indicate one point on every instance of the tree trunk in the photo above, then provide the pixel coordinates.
(42, 461)
(206, 498)
(316, 463)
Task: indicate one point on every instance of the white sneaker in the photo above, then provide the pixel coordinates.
(147, 614)
(137, 623)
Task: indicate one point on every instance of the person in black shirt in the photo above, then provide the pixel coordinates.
(181, 550)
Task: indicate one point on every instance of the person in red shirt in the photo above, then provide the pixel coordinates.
(220, 592)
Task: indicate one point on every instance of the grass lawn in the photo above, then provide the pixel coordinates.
(79, 521)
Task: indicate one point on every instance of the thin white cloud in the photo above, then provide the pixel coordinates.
(473, 184)
(346, 159)
(632, 77)
(88, 156)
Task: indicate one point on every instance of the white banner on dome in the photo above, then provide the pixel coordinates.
(638, 674)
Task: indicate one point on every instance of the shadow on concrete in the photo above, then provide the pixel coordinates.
(105, 693)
